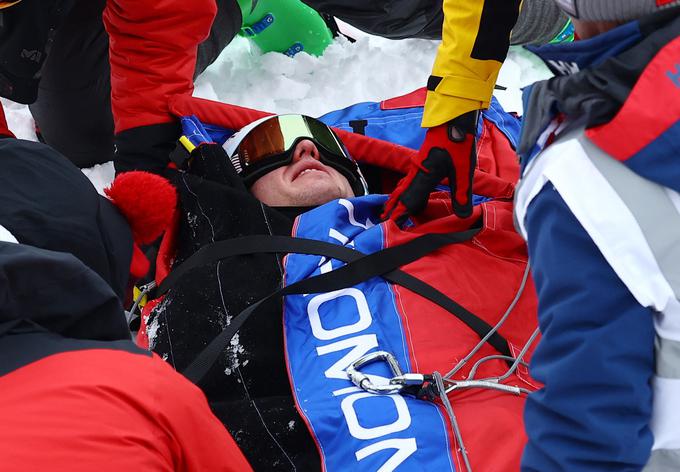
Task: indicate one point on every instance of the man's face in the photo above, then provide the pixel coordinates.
(306, 181)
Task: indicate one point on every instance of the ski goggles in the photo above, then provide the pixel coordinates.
(271, 144)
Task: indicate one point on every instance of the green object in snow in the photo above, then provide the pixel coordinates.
(286, 26)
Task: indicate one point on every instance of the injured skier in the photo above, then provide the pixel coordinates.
(451, 295)
(280, 156)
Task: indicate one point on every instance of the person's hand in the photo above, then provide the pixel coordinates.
(146, 148)
(448, 151)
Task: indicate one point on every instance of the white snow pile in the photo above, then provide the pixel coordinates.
(370, 69)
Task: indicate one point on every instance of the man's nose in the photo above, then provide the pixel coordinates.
(305, 149)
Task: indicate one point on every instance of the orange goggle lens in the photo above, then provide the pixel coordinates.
(279, 135)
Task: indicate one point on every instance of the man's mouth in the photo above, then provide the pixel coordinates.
(308, 168)
(307, 171)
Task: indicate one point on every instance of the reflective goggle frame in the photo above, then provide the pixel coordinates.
(270, 145)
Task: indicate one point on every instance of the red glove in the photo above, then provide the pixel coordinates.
(449, 151)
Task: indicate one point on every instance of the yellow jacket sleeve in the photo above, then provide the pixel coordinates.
(475, 41)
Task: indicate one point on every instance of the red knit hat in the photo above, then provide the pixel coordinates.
(148, 202)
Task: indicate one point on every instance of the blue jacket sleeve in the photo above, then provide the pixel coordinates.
(596, 355)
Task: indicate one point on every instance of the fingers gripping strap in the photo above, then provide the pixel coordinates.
(462, 131)
(437, 165)
(360, 267)
(461, 177)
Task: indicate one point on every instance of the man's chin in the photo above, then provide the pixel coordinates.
(315, 194)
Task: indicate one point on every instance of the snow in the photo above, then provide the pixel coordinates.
(370, 69)
(19, 120)
(152, 330)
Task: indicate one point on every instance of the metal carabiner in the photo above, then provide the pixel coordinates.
(396, 384)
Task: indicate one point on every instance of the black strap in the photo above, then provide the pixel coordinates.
(358, 126)
(360, 267)
(180, 155)
(333, 26)
(256, 244)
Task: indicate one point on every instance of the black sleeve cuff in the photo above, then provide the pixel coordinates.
(146, 148)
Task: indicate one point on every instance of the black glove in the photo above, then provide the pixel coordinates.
(146, 147)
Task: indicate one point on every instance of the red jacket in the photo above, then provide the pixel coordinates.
(109, 410)
(76, 393)
(153, 45)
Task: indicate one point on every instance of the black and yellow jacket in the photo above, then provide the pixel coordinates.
(475, 41)
(475, 38)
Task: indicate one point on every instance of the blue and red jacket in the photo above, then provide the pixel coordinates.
(599, 205)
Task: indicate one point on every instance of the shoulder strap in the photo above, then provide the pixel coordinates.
(359, 267)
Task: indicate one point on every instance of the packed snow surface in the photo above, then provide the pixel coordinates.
(370, 69)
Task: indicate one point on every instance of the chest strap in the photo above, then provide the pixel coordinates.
(359, 267)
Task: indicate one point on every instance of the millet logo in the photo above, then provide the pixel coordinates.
(33, 55)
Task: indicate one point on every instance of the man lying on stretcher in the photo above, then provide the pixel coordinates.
(454, 297)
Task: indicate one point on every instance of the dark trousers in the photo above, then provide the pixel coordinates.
(395, 19)
(73, 108)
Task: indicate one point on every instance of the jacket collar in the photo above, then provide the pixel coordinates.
(570, 58)
(594, 77)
